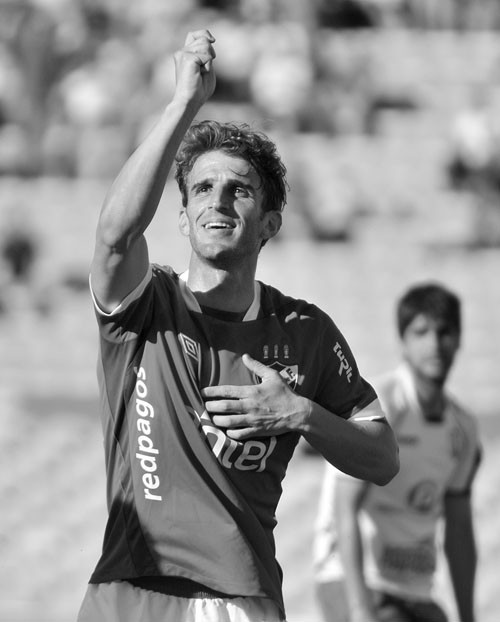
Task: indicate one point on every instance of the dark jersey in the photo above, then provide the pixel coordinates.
(184, 499)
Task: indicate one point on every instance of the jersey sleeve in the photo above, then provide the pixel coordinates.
(131, 316)
(131, 296)
(342, 389)
(467, 448)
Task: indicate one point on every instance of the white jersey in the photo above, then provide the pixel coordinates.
(399, 521)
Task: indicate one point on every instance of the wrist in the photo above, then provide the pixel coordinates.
(185, 105)
(361, 614)
(304, 413)
(180, 114)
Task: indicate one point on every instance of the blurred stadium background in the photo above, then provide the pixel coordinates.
(388, 117)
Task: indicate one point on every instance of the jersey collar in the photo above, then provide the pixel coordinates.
(410, 392)
(192, 304)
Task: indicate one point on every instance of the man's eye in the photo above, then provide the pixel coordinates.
(446, 334)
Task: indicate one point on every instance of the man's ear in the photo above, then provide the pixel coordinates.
(183, 222)
(272, 223)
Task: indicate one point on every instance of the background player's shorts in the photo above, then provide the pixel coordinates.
(122, 602)
(394, 609)
(334, 608)
(332, 600)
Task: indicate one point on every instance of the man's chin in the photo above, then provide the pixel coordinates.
(219, 258)
(222, 256)
(438, 372)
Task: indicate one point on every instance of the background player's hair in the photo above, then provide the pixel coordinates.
(238, 140)
(431, 299)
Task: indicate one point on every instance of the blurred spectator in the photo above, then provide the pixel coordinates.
(430, 14)
(19, 252)
(346, 14)
(19, 249)
(345, 84)
(472, 141)
(27, 69)
(474, 161)
(282, 80)
(235, 38)
(95, 112)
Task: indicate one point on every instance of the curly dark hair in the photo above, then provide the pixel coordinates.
(239, 140)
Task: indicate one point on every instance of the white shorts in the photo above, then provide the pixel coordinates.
(122, 602)
(332, 601)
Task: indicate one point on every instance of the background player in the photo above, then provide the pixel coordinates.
(209, 378)
(376, 547)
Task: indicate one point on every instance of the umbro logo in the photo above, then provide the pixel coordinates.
(190, 346)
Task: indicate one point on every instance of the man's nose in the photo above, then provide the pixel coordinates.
(435, 340)
(220, 199)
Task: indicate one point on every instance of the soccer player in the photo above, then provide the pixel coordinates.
(208, 378)
(376, 547)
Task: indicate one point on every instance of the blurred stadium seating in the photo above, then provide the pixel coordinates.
(379, 186)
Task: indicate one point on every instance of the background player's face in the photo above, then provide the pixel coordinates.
(430, 346)
(224, 218)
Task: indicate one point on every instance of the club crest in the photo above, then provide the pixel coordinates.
(289, 373)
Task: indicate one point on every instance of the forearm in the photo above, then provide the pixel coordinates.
(461, 553)
(363, 449)
(134, 196)
(121, 255)
(357, 594)
(462, 561)
(351, 553)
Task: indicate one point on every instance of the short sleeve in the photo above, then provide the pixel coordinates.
(342, 389)
(467, 449)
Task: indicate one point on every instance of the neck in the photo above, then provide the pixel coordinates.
(430, 394)
(222, 289)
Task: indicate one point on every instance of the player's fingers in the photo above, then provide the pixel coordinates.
(224, 392)
(232, 421)
(257, 367)
(200, 44)
(241, 434)
(199, 34)
(226, 406)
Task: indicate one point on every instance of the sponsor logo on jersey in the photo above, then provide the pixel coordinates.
(190, 346)
(424, 497)
(409, 560)
(147, 453)
(344, 365)
(250, 455)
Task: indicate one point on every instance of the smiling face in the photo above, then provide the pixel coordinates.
(429, 346)
(223, 218)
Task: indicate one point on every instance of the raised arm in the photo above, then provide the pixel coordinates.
(121, 258)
